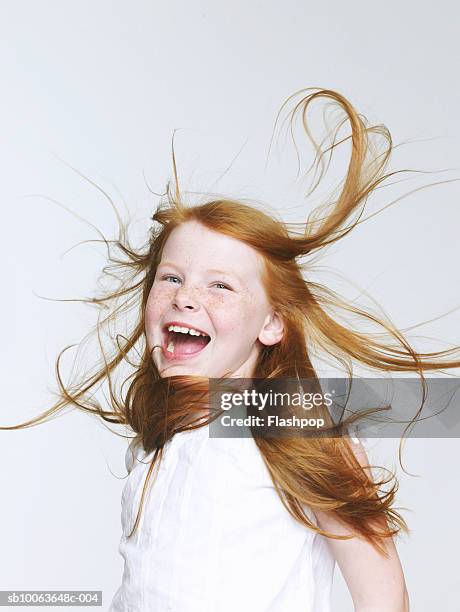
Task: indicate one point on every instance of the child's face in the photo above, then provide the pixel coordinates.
(230, 306)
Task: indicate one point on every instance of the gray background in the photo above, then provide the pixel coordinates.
(102, 85)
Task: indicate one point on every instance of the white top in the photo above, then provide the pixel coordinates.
(214, 535)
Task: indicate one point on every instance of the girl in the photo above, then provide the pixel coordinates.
(256, 524)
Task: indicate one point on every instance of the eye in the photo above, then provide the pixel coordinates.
(223, 285)
(166, 276)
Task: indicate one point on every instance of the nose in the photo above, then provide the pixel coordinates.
(185, 299)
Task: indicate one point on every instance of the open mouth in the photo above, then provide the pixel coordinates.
(181, 345)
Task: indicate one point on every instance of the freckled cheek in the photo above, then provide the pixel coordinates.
(230, 316)
(158, 301)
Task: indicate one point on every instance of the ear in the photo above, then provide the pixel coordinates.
(273, 329)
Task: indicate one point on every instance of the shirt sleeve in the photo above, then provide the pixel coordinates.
(130, 455)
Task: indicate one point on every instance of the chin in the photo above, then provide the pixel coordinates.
(180, 370)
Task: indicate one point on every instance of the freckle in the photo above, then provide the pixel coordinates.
(216, 300)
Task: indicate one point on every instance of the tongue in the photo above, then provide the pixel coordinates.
(184, 344)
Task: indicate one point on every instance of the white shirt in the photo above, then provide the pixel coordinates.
(214, 535)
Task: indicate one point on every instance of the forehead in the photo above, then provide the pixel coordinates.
(194, 245)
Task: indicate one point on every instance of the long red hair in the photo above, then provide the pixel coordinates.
(318, 472)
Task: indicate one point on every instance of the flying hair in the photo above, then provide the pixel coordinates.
(318, 472)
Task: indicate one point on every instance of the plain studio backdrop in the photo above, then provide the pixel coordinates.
(102, 85)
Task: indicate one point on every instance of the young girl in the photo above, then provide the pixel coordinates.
(253, 524)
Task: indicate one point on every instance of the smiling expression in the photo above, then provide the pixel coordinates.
(212, 283)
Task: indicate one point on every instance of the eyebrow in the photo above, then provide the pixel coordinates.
(212, 271)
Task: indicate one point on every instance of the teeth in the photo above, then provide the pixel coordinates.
(171, 347)
(185, 330)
